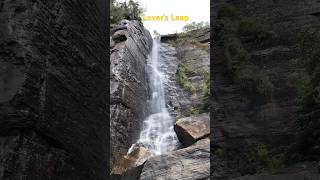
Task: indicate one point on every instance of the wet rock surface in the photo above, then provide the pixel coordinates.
(129, 90)
(176, 96)
(191, 129)
(53, 57)
(185, 164)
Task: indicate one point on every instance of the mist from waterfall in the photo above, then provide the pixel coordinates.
(157, 134)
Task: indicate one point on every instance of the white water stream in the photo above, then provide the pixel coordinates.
(157, 134)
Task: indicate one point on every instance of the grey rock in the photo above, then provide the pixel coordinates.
(191, 129)
(242, 120)
(185, 164)
(129, 89)
(117, 28)
(119, 36)
(53, 57)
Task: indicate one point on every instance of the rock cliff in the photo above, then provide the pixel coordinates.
(130, 45)
(53, 90)
(250, 118)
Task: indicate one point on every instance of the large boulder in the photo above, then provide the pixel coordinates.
(184, 164)
(191, 129)
(129, 166)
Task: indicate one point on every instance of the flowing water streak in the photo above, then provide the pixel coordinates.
(158, 134)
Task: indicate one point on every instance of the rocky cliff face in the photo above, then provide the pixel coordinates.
(130, 45)
(53, 90)
(244, 122)
(188, 72)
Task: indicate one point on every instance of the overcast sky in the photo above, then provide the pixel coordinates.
(196, 10)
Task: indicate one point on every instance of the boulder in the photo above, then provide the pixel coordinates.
(130, 166)
(191, 129)
(188, 163)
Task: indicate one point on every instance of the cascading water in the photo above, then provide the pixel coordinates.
(158, 134)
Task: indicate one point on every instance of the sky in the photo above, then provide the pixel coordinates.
(196, 10)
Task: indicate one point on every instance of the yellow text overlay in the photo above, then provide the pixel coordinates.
(165, 18)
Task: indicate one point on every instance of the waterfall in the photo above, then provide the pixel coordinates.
(157, 134)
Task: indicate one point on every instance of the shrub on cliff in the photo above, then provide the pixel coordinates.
(125, 10)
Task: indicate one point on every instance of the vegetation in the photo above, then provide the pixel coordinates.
(262, 155)
(205, 92)
(125, 10)
(182, 75)
(255, 31)
(308, 140)
(195, 26)
(231, 30)
(195, 111)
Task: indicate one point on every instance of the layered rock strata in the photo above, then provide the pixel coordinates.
(130, 44)
(244, 122)
(53, 90)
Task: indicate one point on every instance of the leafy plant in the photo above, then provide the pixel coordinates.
(124, 10)
(261, 154)
(182, 76)
(229, 30)
(195, 26)
(205, 92)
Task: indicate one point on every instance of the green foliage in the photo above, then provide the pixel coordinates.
(182, 76)
(194, 111)
(251, 74)
(254, 30)
(308, 140)
(229, 30)
(124, 10)
(262, 155)
(205, 92)
(195, 26)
